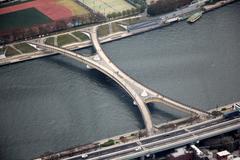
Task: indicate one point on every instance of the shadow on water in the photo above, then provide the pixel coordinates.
(89, 51)
(161, 112)
(99, 78)
(158, 111)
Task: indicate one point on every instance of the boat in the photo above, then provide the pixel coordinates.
(193, 18)
(171, 20)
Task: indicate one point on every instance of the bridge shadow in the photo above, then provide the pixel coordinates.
(88, 51)
(162, 113)
(99, 78)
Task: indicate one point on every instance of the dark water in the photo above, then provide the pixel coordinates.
(54, 103)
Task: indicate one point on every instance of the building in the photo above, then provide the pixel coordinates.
(223, 155)
(180, 154)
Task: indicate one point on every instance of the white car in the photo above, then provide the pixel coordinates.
(138, 148)
(84, 156)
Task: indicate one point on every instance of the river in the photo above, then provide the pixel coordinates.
(53, 103)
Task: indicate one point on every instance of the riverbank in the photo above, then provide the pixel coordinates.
(52, 98)
(159, 21)
(132, 136)
(219, 4)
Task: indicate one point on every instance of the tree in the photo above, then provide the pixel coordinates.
(61, 24)
(124, 13)
(133, 10)
(119, 14)
(129, 12)
(109, 16)
(164, 6)
(114, 15)
(138, 9)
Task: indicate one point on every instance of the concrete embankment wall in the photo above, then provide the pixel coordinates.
(217, 5)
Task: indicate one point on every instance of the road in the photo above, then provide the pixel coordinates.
(158, 20)
(165, 141)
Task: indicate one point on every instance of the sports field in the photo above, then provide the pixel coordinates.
(34, 12)
(13, 3)
(75, 8)
(54, 9)
(22, 18)
(107, 6)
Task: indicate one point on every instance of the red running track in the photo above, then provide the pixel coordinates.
(49, 8)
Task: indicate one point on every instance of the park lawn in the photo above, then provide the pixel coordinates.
(103, 30)
(131, 21)
(25, 48)
(81, 36)
(22, 18)
(65, 39)
(50, 41)
(11, 52)
(117, 28)
(73, 6)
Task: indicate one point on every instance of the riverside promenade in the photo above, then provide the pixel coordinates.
(154, 23)
(159, 21)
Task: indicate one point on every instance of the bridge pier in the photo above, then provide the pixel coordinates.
(135, 103)
(88, 67)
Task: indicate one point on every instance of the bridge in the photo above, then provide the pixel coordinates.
(149, 146)
(140, 94)
(165, 141)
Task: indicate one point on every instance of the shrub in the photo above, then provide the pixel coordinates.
(108, 143)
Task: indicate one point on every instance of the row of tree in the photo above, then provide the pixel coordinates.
(140, 4)
(213, 1)
(164, 6)
(124, 13)
(44, 29)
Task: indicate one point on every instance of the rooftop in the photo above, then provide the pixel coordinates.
(223, 153)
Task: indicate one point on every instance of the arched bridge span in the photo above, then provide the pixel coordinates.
(139, 93)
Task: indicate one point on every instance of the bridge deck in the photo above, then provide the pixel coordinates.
(140, 93)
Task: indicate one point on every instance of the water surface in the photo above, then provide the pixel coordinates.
(53, 103)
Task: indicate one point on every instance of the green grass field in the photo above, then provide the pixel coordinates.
(117, 28)
(131, 21)
(107, 6)
(50, 41)
(75, 8)
(65, 39)
(81, 35)
(22, 18)
(25, 48)
(103, 30)
(11, 52)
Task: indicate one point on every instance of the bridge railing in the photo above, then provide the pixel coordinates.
(133, 80)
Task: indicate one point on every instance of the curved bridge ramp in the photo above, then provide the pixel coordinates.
(147, 95)
(139, 93)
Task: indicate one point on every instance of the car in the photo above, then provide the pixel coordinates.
(84, 155)
(138, 148)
